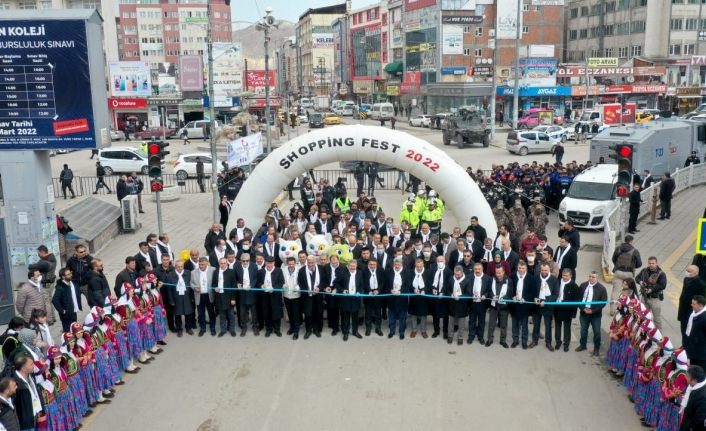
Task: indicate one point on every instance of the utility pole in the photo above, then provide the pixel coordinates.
(267, 22)
(212, 114)
(495, 85)
(516, 92)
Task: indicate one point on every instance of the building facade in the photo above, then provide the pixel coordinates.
(368, 42)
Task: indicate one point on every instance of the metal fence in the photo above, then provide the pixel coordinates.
(617, 220)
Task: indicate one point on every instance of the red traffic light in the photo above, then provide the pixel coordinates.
(625, 151)
(154, 149)
(156, 186)
(622, 191)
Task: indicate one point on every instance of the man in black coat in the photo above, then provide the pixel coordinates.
(270, 278)
(67, 299)
(212, 236)
(8, 415)
(459, 289)
(693, 285)
(694, 418)
(121, 189)
(563, 314)
(547, 291)
(568, 231)
(592, 291)
(398, 280)
(28, 404)
(500, 290)
(350, 284)
(164, 272)
(246, 279)
(565, 256)
(223, 283)
(181, 297)
(373, 284)
(666, 191)
(98, 287)
(142, 258)
(524, 289)
(695, 344)
(329, 273)
(440, 276)
(309, 280)
(127, 275)
(480, 290)
(634, 200)
(478, 230)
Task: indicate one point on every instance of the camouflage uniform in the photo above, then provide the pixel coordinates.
(518, 219)
(501, 215)
(537, 217)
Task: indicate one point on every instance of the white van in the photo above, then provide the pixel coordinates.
(194, 129)
(381, 110)
(124, 160)
(305, 103)
(347, 109)
(591, 197)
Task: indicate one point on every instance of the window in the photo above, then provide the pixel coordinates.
(691, 23)
(596, 9)
(466, 51)
(573, 34)
(574, 13)
(623, 52)
(525, 29)
(610, 52)
(466, 28)
(676, 23)
(478, 52)
(584, 10)
(689, 49)
(610, 6)
(622, 28)
(639, 3)
(638, 26)
(583, 33)
(677, 1)
(703, 24)
(525, 7)
(26, 5)
(623, 4)
(479, 31)
(608, 30)
(636, 50)
(595, 52)
(674, 49)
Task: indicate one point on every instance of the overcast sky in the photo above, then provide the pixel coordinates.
(252, 10)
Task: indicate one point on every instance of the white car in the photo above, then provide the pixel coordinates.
(185, 165)
(303, 118)
(123, 160)
(554, 132)
(420, 121)
(194, 129)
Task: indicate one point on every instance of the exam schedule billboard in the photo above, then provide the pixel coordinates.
(50, 80)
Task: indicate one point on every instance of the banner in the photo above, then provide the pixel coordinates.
(538, 72)
(190, 73)
(243, 151)
(130, 79)
(227, 70)
(571, 71)
(463, 20)
(506, 27)
(255, 81)
(452, 39)
(322, 40)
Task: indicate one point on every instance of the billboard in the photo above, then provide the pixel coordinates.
(227, 71)
(49, 79)
(538, 72)
(506, 24)
(322, 40)
(452, 39)
(130, 79)
(255, 80)
(190, 73)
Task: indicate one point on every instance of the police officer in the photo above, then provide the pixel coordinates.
(693, 159)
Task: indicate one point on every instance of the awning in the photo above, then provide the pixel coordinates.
(394, 68)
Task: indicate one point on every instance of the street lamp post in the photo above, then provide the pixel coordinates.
(516, 92)
(212, 116)
(267, 22)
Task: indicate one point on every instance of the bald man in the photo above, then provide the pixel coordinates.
(693, 285)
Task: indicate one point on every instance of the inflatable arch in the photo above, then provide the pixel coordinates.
(366, 143)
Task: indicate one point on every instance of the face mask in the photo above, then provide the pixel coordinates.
(441, 265)
(418, 248)
(407, 236)
(388, 225)
(380, 251)
(530, 259)
(427, 254)
(39, 279)
(469, 238)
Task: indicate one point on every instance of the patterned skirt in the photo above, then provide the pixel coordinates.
(122, 357)
(78, 394)
(160, 323)
(148, 335)
(88, 378)
(104, 375)
(669, 417)
(68, 409)
(614, 351)
(630, 379)
(56, 420)
(111, 354)
(652, 402)
(134, 339)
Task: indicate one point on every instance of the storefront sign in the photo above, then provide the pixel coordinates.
(114, 103)
(689, 91)
(698, 60)
(227, 69)
(452, 39)
(649, 88)
(535, 91)
(322, 40)
(255, 80)
(618, 89)
(538, 72)
(453, 70)
(593, 90)
(462, 20)
(393, 90)
(506, 25)
(154, 101)
(482, 70)
(577, 71)
(411, 83)
(602, 62)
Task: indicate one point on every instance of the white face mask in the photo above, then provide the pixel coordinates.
(246, 247)
(530, 259)
(380, 250)
(39, 280)
(407, 236)
(441, 265)
(427, 254)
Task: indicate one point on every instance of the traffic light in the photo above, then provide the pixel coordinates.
(156, 185)
(154, 159)
(623, 155)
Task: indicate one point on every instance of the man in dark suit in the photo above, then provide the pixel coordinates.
(480, 289)
(547, 291)
(245, 280)
(695, 344)
(693, 285)
(439, 279)
(564, 314)
(398, 280)
(127, 275)
(97, 283)
(204, 296)
(350, 284)
(212, 237)
(324, 224)
(28, 404)
(180, 296)
(459, 289)
(474, 245)
(163, 272)
(270, 278)
(478, 230)
(500, 290)
(373, 284)
(565, 256)
(694, 417)
(66, 299)
(592, 291)
(524, 289)
(510, 256)
(329, 274)
(646, 180)
(219, 251)
(271, 249)
(456, 256)
(223, 283)
(312, 301)
(142, 258)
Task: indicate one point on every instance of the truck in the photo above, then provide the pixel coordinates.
(610, 114)
(466, 126)
(321, 103)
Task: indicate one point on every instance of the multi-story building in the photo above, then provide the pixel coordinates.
(368, 41)
(341, 59)
(315, 43)
(286, 56)
(105, 7)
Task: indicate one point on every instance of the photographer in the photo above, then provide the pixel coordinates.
(652, 281)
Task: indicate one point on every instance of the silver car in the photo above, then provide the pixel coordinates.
(531, 141)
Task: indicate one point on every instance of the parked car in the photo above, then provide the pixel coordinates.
(330, 118)
(420, 121)
(116, 135)
(525, 142)
(185, 165)
(123, 160)
(194, 129)
(302, 118)
(643, 117)
(316, 120)
(156, 132)
(554, 132)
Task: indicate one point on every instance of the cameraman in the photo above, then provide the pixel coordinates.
(652, 281)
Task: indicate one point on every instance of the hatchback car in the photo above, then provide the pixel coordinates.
(116, 135)
(194, 129)
(420, 121)
(554, 132)
(185, 165)
(331, 118)
(525, 142)
(123, 160)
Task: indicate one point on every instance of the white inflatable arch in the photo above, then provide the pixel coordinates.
(366, 143)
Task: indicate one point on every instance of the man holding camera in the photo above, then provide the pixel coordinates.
(652, 281)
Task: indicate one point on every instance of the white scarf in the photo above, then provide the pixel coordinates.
(181, 286)
(36, 403)
(477, 287)
(351, 284)
(270, 249)
(35, 284)
(373, 281)
(232, 246)
(562, 254)
(292, 287)
(267, 284)
(503, 291)
(145, 255)
(168, 247)
(588, 295)
(246, 277)
(457, 286)
(219, 288)
(693, 315)
(561, 290)
(203, 279)
(544, 290)
(333, 274)
(418, 282)
(520, 285)
(439, 281)
(688, 392)
(219, 254)
(308, 279)
(397, 281)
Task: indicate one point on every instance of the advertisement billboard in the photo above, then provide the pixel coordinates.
(322, 40)
(506, 23)
(255, 81)
(227, 71)
(452, 39)
(538, 72)
(190, 73)
(47, 94)
(130, 79)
